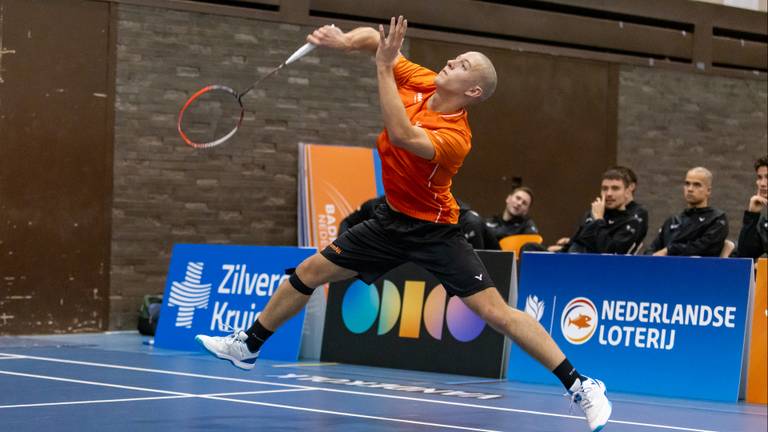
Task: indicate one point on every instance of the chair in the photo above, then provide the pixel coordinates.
(515, 242)
(635, 249)
(728, 248)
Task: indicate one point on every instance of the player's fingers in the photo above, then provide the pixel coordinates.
(382, 37)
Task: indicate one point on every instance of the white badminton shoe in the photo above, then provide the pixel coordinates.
(232, 348)
(590, 397)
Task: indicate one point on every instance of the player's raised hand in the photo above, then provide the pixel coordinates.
(389, 45)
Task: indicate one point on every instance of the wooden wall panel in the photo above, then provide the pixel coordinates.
(55, 166)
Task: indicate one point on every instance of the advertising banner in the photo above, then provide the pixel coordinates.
(213, 289)
(406, 320)
(669, 326)
(336, 180)
(757, 375)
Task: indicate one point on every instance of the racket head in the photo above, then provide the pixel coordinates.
(209, 90)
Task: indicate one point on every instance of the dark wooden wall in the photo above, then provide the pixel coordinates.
(55, 166)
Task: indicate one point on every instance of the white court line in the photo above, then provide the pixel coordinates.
(219, 398)
(441, 402)
(99, 401)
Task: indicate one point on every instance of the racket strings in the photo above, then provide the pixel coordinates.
(212, 114)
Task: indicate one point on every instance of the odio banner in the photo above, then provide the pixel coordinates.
(406, 320)
(213, 289)
(656, 325)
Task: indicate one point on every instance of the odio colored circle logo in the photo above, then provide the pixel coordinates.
(362, 305)
(579, 320)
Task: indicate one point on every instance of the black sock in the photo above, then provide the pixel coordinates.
(567, 374)
(257, 335)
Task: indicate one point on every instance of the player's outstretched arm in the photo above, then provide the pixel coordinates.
(359, 39)
(399, 128)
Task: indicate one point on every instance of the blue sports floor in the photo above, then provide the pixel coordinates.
(116, 382)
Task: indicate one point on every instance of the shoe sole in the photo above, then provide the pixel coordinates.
(610, 411)
(237, 363)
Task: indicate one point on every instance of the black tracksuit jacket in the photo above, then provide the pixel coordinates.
(694, 232)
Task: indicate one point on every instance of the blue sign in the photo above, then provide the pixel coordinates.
(669, 326)
(213, 289)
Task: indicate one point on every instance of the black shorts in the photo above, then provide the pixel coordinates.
(390, 238)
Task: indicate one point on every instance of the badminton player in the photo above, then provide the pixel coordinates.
(425, 139)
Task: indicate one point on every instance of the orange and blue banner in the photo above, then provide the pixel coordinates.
(336, 180)
(757, 372)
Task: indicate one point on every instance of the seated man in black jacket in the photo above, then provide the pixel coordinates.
(513, 220)
(470, 221)
(607, 227)
(753, 238)
(699, 230)
(636, 210)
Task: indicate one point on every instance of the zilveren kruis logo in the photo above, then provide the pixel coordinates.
(189, 294)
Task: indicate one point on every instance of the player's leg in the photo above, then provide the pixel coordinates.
(242, 347)
(518, 326)
(294, 293)
(453, 261)
(527, 333)
(365, 251)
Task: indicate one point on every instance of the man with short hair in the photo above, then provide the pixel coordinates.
(700, 230)
(513, 220)
(633, 207)
(607, 227)
(753, 237)
(425, 141)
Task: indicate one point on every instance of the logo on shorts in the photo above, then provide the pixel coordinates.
(579, 320)
(335, 248)
(534, 307)
(189, 294)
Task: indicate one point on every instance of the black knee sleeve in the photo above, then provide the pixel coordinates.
(299, 286)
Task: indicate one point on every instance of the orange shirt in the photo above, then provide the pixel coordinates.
(415, 186)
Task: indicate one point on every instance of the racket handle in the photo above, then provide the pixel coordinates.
(301, 52)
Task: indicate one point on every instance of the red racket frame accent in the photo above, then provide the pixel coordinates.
(204, 90)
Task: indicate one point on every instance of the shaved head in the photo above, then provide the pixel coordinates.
(486, 74)
(698, 187)
(704, 173)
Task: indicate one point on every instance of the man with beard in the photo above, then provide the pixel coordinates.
(607, 227)
(753, 238)
(633, 207)
(700, 230)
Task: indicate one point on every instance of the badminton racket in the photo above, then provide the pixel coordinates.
(213, 114)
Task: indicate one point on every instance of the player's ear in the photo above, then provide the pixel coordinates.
(475, 91)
